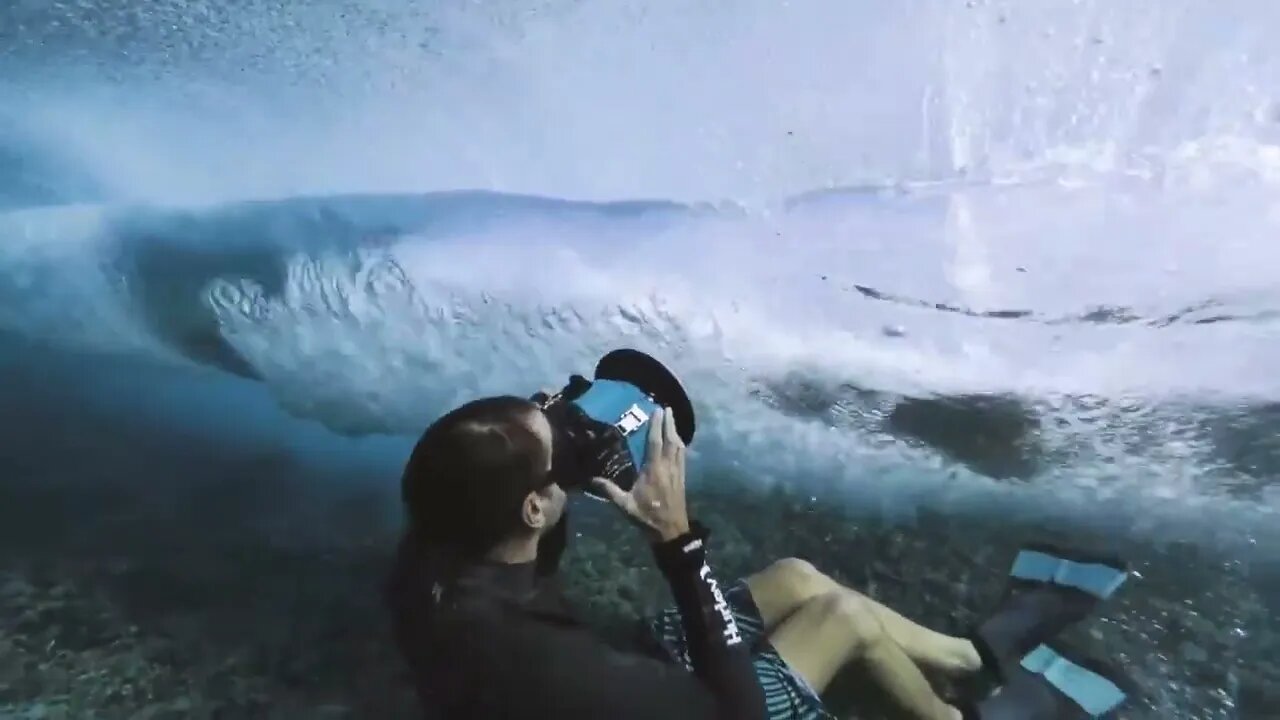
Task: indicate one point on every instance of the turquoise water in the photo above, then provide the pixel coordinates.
(986, 259)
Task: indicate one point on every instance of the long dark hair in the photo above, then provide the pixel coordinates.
(462, 489)
(470, 472)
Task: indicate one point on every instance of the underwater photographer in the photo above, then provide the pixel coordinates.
(480, 620)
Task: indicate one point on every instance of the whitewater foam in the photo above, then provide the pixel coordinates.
(755, 101)
(1056, 159)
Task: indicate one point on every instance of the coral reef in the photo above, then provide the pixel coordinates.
(182, 622)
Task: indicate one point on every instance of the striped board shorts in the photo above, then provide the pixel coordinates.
(787, 694)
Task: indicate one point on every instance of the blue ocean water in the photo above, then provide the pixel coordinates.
(857, 231)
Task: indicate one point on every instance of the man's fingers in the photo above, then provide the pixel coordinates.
(613, 492)
(670, 438)
(656, 429)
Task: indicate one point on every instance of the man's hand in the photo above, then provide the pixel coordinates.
(657, 501)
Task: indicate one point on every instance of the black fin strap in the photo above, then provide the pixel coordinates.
(990, 662)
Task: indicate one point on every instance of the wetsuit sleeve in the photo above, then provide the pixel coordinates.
(721, 659)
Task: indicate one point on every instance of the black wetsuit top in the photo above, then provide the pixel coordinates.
(503, 644)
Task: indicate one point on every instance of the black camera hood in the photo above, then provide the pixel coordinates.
(654, 379)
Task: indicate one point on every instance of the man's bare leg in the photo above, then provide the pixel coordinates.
(839, 628)
(784, 587)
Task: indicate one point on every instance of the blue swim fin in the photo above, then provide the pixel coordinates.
(1048, 685)
(1049, 590)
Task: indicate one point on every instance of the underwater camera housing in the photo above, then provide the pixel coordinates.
(600, 428)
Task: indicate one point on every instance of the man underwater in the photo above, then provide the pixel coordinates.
(480, 620)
